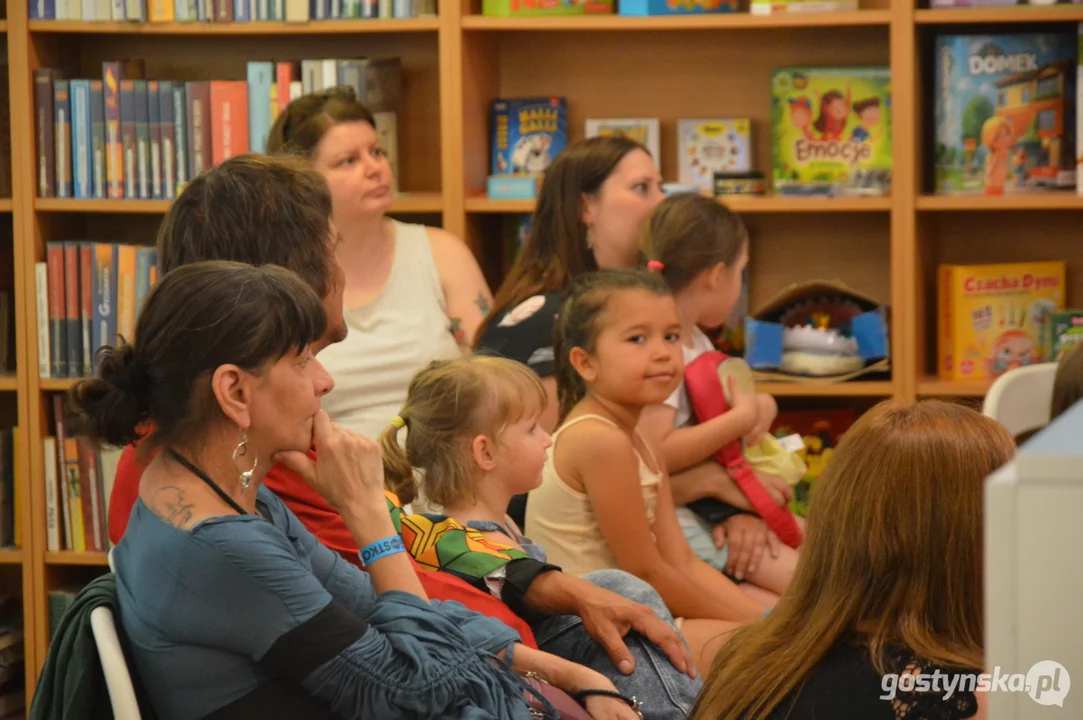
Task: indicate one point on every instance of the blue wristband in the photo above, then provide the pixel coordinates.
(381, 549)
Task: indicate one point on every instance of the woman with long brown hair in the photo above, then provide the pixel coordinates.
(889, 581)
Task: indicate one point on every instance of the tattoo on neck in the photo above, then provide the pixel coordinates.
(483, 304)
(172, 505)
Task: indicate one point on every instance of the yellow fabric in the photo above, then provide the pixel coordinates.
(770, 457)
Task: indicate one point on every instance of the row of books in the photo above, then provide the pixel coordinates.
(228, 11)
(78, 483)
(88, 294)
(127, 137)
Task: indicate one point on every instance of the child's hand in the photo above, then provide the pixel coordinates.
(744, 407)
(780, 489)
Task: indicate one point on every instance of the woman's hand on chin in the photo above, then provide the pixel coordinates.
(348, 471)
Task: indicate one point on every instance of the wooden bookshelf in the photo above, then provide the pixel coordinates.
(455, 65)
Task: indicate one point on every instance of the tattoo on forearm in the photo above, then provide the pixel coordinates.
(483, 303)
(171, 505)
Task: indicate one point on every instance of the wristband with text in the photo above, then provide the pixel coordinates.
(381, 549)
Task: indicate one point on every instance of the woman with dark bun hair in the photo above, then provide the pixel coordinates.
(232, 608)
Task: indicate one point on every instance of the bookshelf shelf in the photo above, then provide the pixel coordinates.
(64, 205)
(827, 390)
(324, 27)
(1017, 14)
(679, 22)
(11, 556)
(404, 203)
(6, 205)
(57, 384)
(1052, 201)
(9, 383)
(766, 204)
(68, 557)
(933, 386)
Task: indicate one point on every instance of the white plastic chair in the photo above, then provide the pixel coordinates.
(117, 678)
(1020, 398)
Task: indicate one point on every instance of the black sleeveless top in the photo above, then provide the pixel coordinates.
(846, 686)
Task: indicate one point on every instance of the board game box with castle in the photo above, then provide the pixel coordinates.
(831, 130)
(1005, 116)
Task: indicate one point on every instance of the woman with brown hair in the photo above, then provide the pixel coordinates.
(594, 200)
(889, 582)
(413, 293)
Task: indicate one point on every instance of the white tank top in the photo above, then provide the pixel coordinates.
(561, 519)
(390, 339)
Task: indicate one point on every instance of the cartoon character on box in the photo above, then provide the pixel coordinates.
(527, 134)
(832, 130)
(998, 137)
(1005, 115)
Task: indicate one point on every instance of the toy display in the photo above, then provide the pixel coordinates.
(640, 8)
(992, 318)
(706, 147)
(831, 131)
(817, 331)
(528, 8)
(643, 130)
(1005, 117)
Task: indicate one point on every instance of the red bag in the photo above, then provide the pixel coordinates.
(704, 379)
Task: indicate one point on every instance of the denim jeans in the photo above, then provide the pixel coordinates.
(664, 692)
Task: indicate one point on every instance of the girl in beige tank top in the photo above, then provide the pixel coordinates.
(604, 501)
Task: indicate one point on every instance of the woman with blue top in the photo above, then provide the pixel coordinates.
(231, 607)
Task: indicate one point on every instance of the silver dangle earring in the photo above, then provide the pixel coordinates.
(240, 451)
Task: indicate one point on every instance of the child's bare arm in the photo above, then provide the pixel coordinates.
(710, 584)
(687, 446)
(603, 460)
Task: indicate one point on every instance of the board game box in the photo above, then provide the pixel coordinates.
(1005, 115)
(644, 131)
(1066, 331)
(992, 318)
(527, 134)
(831, 130)
(709, 146)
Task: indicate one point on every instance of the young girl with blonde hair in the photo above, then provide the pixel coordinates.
(700, 249)
(605, 499)
(469, 433)
(889, 580)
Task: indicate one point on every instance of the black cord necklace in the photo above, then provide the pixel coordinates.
(206, 478)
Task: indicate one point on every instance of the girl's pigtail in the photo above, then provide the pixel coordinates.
(398, 472)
